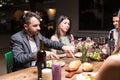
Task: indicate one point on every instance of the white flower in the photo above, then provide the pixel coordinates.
(84, 45)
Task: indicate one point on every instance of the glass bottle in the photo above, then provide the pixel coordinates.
(111, 42)
(41, 60)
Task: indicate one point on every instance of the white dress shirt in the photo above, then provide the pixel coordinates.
(33, 47)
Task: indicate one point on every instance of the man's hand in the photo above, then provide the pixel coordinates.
(69, 49)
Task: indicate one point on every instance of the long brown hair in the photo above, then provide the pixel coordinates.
(60, 19)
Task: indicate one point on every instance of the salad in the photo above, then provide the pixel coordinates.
(49, 62)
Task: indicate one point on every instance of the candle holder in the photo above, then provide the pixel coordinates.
(46, 74)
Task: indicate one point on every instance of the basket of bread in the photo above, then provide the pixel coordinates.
(76, 67)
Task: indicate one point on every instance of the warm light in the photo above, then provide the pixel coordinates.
(51, 13)
(26, 11)
(41, 19)
(0, 5)
(18, 14)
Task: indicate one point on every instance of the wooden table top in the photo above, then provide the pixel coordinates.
(31, 73)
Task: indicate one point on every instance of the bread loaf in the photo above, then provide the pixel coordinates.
(87, 66)
(74, 65)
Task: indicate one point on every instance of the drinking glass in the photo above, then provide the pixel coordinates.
(101, 41)
(95, 39)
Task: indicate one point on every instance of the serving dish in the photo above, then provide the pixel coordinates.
(78, 54)
(86, 76)
(49, 62)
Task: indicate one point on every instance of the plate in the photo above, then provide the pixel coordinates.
(49, 62)
(78, 54)
(86, 76)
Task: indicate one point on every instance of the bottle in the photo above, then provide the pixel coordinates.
(111, 42)
(112, 35)
(41, 60)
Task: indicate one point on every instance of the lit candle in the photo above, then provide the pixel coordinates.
(56, 71)
(46, 74)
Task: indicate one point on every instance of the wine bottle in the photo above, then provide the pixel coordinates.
(112, 35)
(41, 60)
(111, 42)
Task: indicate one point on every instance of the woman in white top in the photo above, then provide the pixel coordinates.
(62, 34)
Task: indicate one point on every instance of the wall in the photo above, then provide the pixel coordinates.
(4, 40)
(71, 9)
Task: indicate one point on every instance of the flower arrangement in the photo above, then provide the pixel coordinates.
(90, 50)
(84, 46)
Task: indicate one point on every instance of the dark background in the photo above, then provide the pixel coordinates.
(97, 14)
(93, 14)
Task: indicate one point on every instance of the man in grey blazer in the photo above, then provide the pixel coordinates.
(25, 43)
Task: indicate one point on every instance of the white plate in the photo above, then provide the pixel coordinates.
(86, 76)
(49, 62)
(78, 54)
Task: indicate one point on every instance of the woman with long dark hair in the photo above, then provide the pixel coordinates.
(62, 33)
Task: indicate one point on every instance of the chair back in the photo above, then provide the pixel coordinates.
(9, 61)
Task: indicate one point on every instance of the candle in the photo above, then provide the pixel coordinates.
(56, 71)
(46, 74)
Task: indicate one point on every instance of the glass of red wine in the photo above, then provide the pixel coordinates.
(101, 40)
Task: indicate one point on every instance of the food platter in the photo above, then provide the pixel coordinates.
(86, 76)
(61, 62)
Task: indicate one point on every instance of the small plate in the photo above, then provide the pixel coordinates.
(49, 62)
(86, 76)
(78, 54)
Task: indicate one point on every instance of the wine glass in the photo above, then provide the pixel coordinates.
(95, 39)
(101, 41)
(105, 52)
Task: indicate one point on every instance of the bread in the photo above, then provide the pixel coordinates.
(74, 65)
(87, 66)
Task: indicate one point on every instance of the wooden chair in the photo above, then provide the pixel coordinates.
(9, 61)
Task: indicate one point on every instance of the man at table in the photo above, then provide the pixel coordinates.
(25, 43)
(115, 29)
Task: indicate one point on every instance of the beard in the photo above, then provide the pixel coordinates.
(37, 32)
(33, 33)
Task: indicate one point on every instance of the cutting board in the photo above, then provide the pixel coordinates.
(70, 74)
(85, 67)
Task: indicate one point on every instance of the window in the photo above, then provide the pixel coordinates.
(97, 14)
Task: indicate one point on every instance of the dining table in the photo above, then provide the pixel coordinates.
(31, 72)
